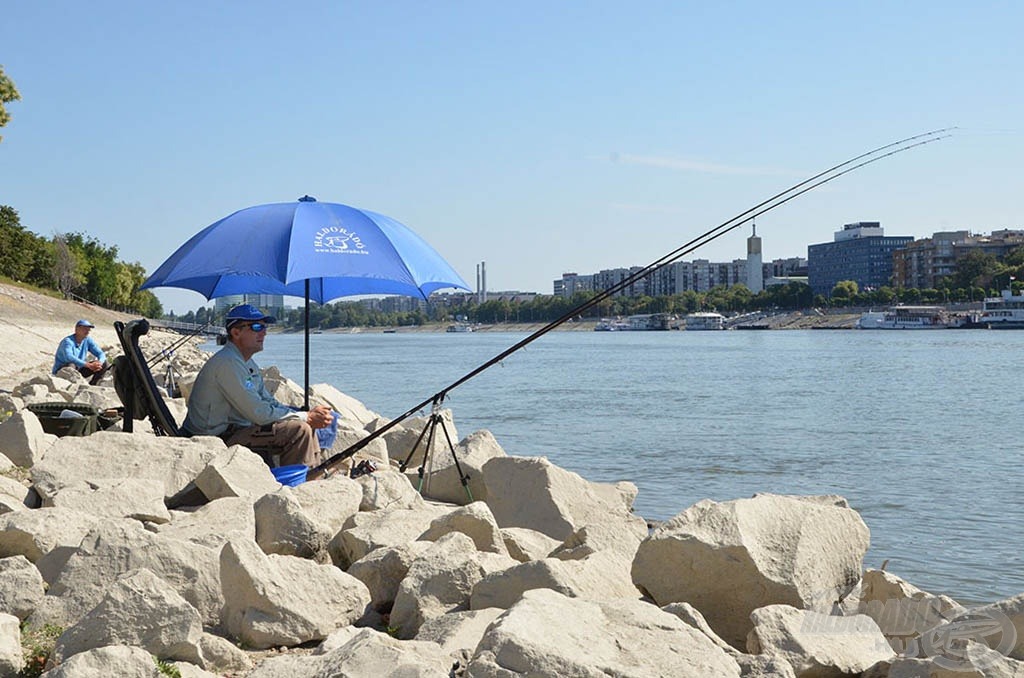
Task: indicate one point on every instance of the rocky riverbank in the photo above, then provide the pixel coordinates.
(131, 554)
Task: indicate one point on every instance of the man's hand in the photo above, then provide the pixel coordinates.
(320, 417)
(94, 365)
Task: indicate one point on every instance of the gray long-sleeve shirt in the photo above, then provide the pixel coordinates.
(230, 390)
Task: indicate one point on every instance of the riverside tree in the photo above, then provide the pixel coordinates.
(8, 93)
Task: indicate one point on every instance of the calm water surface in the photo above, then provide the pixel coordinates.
(915, 429)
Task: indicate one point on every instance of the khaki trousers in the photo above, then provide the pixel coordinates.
(281, 443)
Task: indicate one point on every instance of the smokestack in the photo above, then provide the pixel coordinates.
(478, 283)
(483, 281)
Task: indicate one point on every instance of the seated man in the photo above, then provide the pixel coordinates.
(229, 399)
(74, 349)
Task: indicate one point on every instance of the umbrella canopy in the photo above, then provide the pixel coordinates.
(276, 248)
(319, 251)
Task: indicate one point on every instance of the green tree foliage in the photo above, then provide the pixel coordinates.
(8, 93)
(75, 265)
(845, 289)
(976, 269)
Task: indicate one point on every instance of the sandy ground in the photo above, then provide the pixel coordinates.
(32, 324)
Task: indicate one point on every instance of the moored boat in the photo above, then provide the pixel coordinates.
(705, 321)
(906, 318)
(1005, 312)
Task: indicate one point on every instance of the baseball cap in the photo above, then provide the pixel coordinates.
(246, 313)
(84, 323)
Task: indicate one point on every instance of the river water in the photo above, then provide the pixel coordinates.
(915, 429)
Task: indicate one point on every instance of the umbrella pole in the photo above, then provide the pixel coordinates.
(305, 391)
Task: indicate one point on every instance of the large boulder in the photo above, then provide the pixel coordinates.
(353, 413)
(212, 524)
(114, 660)
(445, 482)
(11, 661)
(300, 521)
(22, 439)
(173, 461)
(818, 645)
(401, 441)
(902, 611)
(282, 600)
(459, 632)
(728, 559)
(534, 493)
(35, 533)
(21, 586)
(595, 537)
(441, 581)
(383, 569)
(600, 576)
(525, 544)
(114, 549)
(474, 520)
(236, 471)
(548, 634)
(140, 610)
(366, 531)
(387, 489)
(999, 625)
(136, 498)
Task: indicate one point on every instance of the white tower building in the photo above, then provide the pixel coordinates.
(755, 271)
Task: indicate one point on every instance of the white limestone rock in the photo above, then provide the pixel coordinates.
(595, 537)
(140, 610)
(692, 616)
(728, 559)
(136, 498)
(9, 487)
(472, 452)
(441, 581)
(902, 611)
(329, 504)
(474, 520)
(113, 549)
(353, 413)
(387, 489)
(601, 576)
(114, 660)
(367, 654)
(173, 461)
(236, 471)
(962, 658)
(548, 634)
(534, 493)
(401, 439)
(22, 439)
(818, 645)
(376, 450)
(366, 531)
(283, 528)
(283, 600)
(35, 533)
(212, 524)
(459, 631)
(999, 625)
(21, 586)
(525, 544)
(384, 568)
(11, 661)
(223, 656)
(35, 393)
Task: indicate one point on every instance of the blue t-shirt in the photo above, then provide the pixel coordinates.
(70, 353)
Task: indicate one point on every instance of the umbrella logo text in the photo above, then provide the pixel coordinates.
(338, 240)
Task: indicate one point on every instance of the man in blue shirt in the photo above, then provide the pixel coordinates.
(75, 349)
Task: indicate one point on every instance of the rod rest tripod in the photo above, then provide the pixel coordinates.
(428, 432)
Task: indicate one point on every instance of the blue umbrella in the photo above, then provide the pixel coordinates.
(316, 250)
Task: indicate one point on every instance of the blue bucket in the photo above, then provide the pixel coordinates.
(290, 475)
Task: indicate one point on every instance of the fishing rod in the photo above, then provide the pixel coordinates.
(763, 207)
(167, 352)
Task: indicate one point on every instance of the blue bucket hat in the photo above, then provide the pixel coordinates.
(246, 313)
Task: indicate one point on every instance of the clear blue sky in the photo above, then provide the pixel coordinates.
(539, 137)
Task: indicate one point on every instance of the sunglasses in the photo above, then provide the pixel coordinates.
(255, 327)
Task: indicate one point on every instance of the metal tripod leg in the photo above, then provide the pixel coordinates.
(431, 427)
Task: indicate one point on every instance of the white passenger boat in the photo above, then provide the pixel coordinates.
(459, 327)
(1003, 313)
(705, 321)
(907, 318)
(610, 325)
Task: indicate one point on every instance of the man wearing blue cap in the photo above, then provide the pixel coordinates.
(75, 350)
(229, 399)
